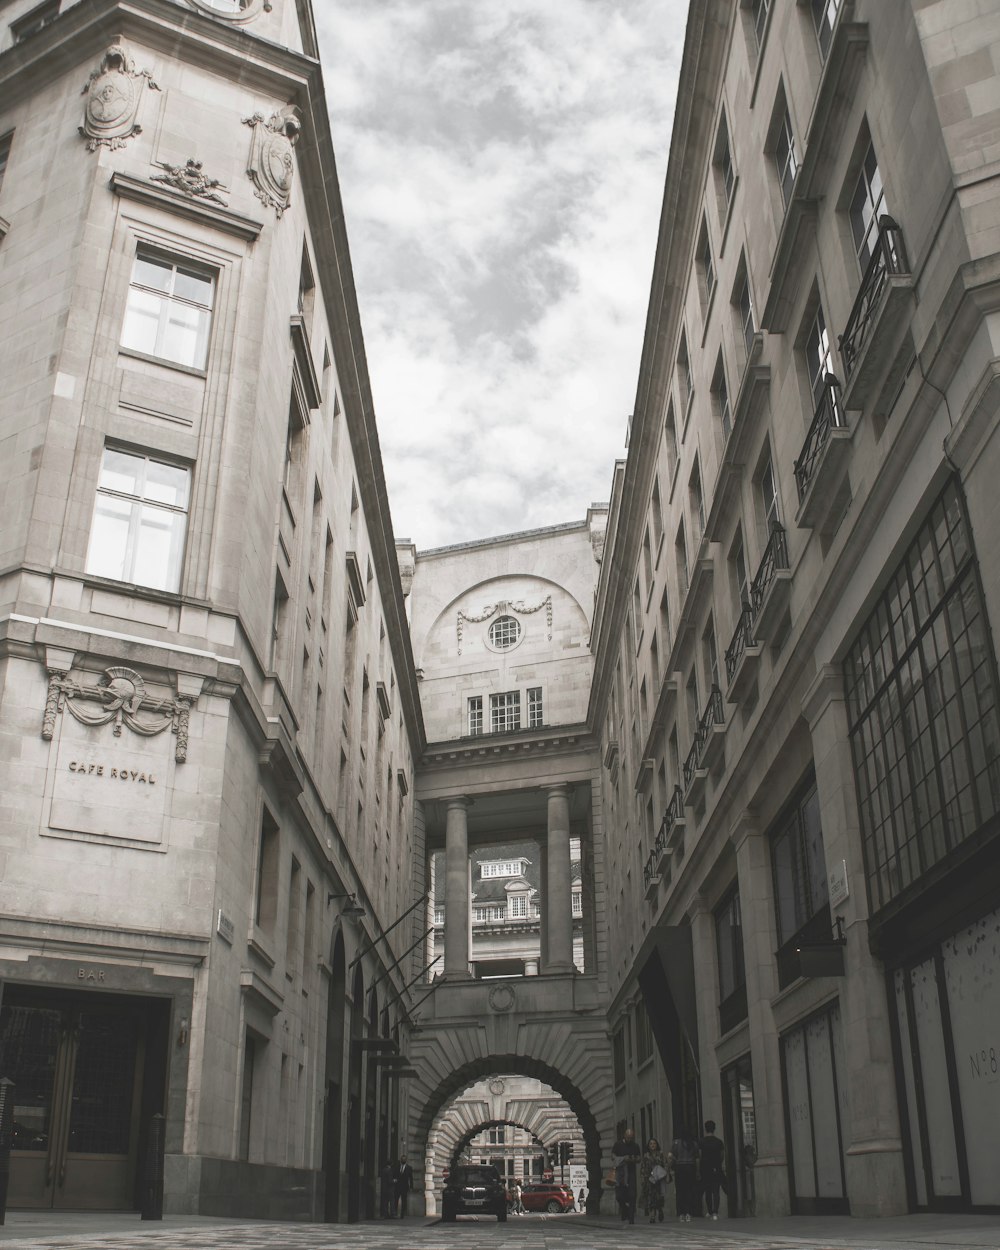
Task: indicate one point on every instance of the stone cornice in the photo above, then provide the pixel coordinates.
(59, 937)
(554, 741)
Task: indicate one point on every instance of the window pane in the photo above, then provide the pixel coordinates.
(109, 538)
(166, 483)
(184, 335)
(121, 472)
(157, 556)
(189, 284)
(151, 272)
(142, 321)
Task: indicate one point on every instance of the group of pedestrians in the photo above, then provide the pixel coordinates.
(695, 1166)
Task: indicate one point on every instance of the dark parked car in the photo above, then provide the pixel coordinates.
(551, 1198)
(474, 1191)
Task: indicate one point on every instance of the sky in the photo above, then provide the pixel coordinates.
(502, 165)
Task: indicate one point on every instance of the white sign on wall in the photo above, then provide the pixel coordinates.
(838, 887)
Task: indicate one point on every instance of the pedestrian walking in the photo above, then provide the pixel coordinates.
(387, 1190)
(626, 1155)
(653, 1173)
(518, 1204)
(402, 1185)
(683, 1158)
(713, 1177)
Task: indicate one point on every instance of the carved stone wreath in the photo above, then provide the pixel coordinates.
(118, 698)
(504, 607)
(497, 1086)
(502, 998)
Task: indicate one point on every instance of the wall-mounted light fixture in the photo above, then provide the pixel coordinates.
(351, 908)
(183, 1031)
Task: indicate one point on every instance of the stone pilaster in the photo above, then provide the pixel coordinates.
(753, 863)
(874, 1160)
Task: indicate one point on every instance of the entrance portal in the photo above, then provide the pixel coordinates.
(79, 1066)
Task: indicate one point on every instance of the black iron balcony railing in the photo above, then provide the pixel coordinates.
(829, 416)
(743, 637)
(713, 715)
(674, 812)
(775, 557)
(887, 260)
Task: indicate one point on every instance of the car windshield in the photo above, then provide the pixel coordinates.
(478, 1176)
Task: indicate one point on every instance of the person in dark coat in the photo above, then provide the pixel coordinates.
(387, 1191)
(626, 1155)
(712, 1175)
(683, 1158)
(403, 1185)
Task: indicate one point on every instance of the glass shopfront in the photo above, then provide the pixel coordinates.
(947, 1018)
(812, 1065)
(740, 1135)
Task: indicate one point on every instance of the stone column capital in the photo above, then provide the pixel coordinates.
(744, 828)
(825, 688)
(459, 801)
(558, 791)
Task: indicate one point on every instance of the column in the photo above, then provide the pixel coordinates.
(872, 1145)
(558, 914)
(703, 952)
(456, 898)
(753, 866)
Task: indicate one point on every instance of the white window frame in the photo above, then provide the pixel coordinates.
(143, 508)
(536, 708)
(474, 711)
(505, 712)
(786, 159)
(505, 632)
(517, 906)
(170, 302)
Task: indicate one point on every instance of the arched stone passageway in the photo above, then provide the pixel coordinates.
(588, 1099)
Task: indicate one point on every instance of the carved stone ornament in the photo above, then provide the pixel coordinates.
(271, 167)
(118, 698)
(502, 998)
(235, 11)
(114, 92)
(191, 181)
(504, 608)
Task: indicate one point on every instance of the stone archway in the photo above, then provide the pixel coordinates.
(593, 1126)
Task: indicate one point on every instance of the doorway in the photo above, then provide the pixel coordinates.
(80, 1066)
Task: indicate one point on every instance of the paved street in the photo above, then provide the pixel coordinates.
(70, 1231)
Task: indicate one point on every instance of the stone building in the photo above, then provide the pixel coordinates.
(209, 711)
(241, 725)
(795, 636)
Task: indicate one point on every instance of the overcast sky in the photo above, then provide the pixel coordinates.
(502, 166)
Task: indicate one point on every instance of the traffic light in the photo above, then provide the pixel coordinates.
(565, 1151)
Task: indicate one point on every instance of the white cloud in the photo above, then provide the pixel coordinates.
(502, 168)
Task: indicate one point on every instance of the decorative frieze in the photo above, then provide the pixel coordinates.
(118, 699)
(504, 607)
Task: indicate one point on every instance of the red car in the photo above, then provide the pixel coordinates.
(551, 1198)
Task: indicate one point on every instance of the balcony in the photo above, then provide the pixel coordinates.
(822, 464)
(771, 586)
(742, 657)
(674, 822)
(870, 342)
(706, 748)
(650, 878)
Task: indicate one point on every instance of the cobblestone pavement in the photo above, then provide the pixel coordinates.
(66, 1231)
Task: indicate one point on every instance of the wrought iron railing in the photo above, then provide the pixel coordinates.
(887, 260)
(829, 416)
(743, 637)
(713, 715)
(674, 812)
(775, 557)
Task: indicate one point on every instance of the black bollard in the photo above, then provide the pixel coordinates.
(6, 1139)
(152, 1173)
